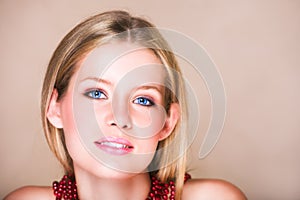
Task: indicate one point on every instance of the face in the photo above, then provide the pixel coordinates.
(113, 112)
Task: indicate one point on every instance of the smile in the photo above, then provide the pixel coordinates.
(114, 146)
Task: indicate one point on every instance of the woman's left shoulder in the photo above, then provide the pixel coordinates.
(207, 189)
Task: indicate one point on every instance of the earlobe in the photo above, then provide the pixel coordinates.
(171, 121)
(53, 112)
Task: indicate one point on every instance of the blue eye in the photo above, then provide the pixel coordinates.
(95, 94)
(143, 101)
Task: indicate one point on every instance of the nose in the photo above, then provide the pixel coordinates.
(119, 117)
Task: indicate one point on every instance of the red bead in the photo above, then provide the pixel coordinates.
(158, 187)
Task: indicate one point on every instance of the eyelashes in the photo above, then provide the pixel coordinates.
(143, 101)
(98, 94)
(95, 94)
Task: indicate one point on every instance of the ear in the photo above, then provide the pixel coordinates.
(171, 121)
(53, 112)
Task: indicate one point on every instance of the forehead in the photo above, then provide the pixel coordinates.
(122, 61)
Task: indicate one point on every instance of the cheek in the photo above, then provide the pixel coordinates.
(67, 116)
(147, 146)
(148, 122)
(70, 130)
(85, 120)
(77, 123)
(141, 118)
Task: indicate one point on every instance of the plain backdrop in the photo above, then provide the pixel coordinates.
(254, 43)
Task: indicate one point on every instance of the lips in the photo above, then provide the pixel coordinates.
(114, 146)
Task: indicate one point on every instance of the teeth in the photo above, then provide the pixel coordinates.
(114, 145)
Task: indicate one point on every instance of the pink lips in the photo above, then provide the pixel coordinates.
(114, 146)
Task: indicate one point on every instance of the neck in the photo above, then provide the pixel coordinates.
(125, 186)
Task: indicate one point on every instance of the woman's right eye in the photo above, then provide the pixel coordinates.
(95, 94)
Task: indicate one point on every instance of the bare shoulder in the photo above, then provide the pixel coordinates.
(31, 193)
(211, 189)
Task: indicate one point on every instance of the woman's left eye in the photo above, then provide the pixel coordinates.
(143, 101)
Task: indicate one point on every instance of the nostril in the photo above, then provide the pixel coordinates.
(125, 126)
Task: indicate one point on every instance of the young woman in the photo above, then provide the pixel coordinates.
(114, 114)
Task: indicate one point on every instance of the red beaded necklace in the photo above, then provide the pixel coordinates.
(66, 189)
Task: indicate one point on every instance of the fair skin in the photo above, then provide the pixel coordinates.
(95, 98)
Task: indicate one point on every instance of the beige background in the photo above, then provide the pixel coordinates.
(254, 43)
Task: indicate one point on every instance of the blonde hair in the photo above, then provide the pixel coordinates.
(171, 161)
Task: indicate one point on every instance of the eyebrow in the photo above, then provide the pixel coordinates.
(149, 87)
(96, 79)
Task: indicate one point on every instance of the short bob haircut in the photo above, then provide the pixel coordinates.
(93, 32)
